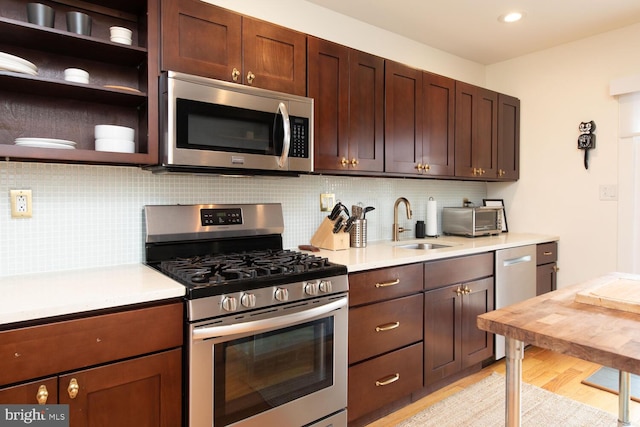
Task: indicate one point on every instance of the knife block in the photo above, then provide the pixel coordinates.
(325, 238)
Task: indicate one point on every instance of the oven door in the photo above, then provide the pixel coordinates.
(284, 366)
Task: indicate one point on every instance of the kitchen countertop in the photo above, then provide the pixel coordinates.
(41, 295)
(388, 254)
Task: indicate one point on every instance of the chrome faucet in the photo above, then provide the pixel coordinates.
(396, 228)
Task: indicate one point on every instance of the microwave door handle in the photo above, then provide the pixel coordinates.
(282, 108)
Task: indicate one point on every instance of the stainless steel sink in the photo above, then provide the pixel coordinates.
(423, 246)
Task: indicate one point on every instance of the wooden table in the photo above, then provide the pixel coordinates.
(555, 321)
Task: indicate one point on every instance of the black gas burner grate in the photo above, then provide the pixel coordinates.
(214, 270)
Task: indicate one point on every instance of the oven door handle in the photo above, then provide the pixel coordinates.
(257, 326)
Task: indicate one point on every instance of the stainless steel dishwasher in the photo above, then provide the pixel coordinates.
(515, 281)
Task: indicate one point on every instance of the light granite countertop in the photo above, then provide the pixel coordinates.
(388, 254)
(42, 295)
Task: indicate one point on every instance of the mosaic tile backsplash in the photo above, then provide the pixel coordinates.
(92, 216)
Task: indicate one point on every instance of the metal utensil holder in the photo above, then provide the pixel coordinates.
(358, 234)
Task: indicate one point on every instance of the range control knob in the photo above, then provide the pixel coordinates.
(282, 294)
(229, 303)
(326, 286)
(248, 300)
(311, 288)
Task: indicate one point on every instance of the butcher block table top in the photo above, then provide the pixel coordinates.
(597, 320)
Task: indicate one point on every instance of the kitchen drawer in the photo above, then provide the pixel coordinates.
(378, 328)
(385, 283)
(48, 349)
(457, 270)
(372, 385)
(546, 253)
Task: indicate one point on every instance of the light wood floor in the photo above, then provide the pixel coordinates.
(552, 371)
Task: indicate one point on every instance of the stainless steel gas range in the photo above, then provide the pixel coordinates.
(266, 328)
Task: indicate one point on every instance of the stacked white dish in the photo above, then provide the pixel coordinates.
(119, 139)
(120, 35)
(16, 64)
(76, 75)
(45, 143)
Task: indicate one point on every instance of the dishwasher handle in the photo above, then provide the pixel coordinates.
(514, 261)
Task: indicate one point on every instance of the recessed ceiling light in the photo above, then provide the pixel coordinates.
(511, 17)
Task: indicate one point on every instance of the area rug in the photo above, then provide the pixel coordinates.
(483, 405)
(607, 379)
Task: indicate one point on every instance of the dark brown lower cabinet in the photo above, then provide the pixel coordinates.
(452, 340)
(118, 369)
(547, 267)
(384, 379)
(145, 391)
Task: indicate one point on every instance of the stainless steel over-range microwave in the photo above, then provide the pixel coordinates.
(212, 125)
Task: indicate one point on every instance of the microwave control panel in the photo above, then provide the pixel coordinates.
(299, 137)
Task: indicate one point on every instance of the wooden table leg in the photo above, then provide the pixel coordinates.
(623, 399)
(514, 350)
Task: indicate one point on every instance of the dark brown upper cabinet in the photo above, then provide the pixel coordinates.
(122, 88)
(348, 90)
(420, 111)
(508, 138)
(205, 40)
(476, 137)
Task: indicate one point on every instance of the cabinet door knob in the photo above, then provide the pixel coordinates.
(42, 394)
(344, 162)
(235, 74)
(426, 167)
(466, 290)
(419, 167)
(556, 268)
(389, 380)
(250, 77)
(459, 291)
(354, 162)
(501, 172)
(73, 388)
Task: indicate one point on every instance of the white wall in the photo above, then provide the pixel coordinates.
(558, 89)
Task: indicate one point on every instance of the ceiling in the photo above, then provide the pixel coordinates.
(470, 28)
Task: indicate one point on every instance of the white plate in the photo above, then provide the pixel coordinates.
(16, 67)
(45, 140)
(7, 57)
(45, 145)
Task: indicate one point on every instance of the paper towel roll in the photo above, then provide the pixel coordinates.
(432, 217)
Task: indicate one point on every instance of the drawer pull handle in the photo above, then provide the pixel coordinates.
(547, 253)
(384, 285)
(389, 380)
(42, 394)
(387, 327)
(73, 388)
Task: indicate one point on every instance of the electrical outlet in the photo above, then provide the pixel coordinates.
(20, 203)
(327, 201)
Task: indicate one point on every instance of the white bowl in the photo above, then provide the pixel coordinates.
(115, 145)
(76, 75)
(121, 40)
(120, 32)
(114, 132)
